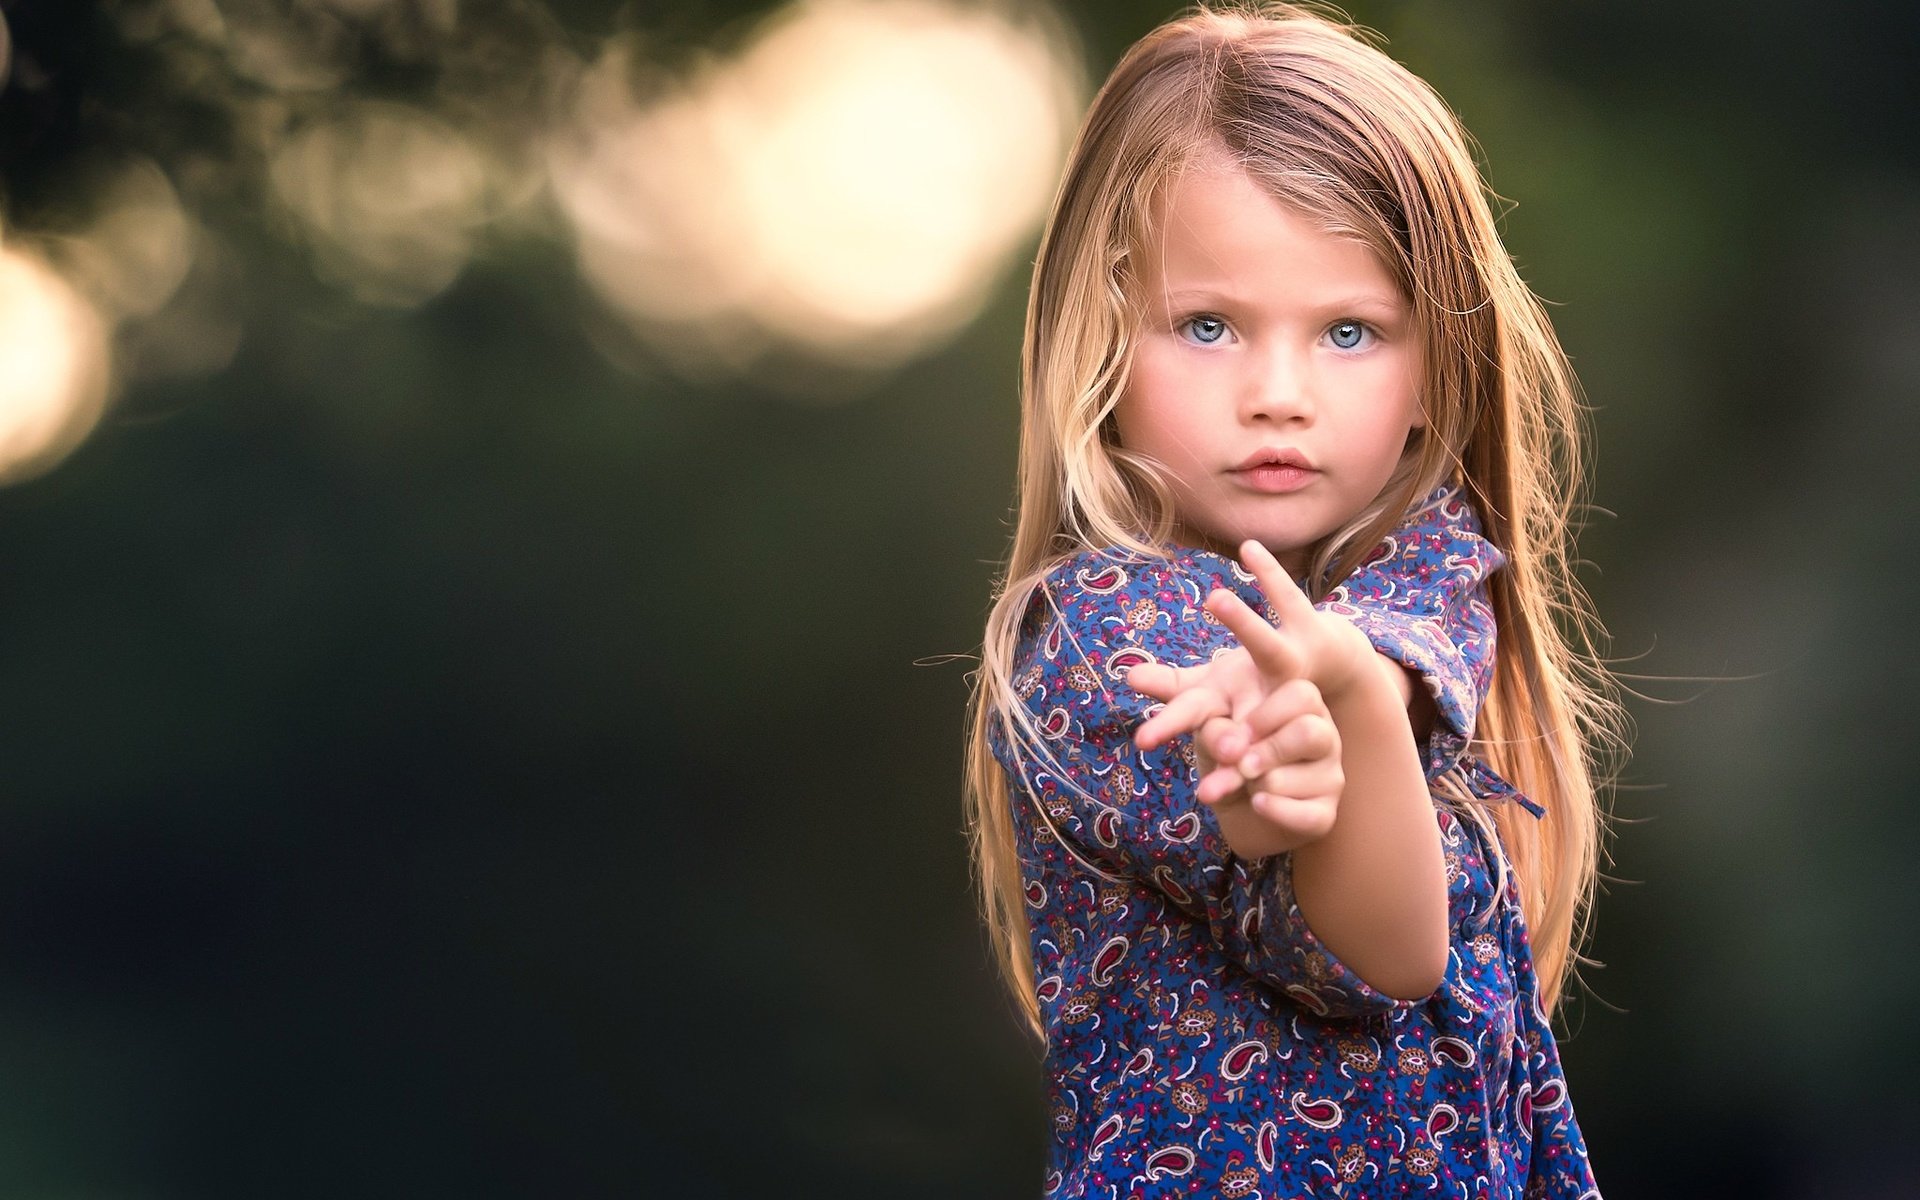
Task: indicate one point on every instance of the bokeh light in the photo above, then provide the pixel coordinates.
(888, 157)
(848, 184)
(133, 254)
(841, 188)
(641, 188)
(387, 196)
(53, 365)
(286, 47)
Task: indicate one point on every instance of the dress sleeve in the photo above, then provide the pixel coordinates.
(1421, 599)
(1132, 814)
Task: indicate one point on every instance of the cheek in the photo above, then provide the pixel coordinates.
(1153, 430)
(1408, 382)
(1142, 418)
(1394, 399)
(1165, 409)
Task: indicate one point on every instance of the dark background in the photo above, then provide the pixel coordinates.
(438, 761)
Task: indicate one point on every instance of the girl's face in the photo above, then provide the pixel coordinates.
(1275, 375)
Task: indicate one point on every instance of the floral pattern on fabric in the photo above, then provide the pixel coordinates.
(1200, 1039)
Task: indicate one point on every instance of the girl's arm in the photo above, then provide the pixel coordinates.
(1373, 888)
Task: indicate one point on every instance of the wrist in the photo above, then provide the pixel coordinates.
(1358, 670)
(1374, 701)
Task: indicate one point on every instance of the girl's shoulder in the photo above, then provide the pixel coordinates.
(1094, 603)
(1116, 571)
(1437, 548)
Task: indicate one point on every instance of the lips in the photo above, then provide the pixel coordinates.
(1275, 458)
(1275, 471)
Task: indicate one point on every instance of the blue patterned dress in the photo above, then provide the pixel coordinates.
(1200, 1041)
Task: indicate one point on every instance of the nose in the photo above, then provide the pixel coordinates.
(1278, 387)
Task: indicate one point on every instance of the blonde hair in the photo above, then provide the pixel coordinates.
(1349, 138)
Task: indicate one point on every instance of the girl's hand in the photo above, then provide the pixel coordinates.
(1283, 792)
(1269, 763)
(1319, 648)
(1306, 643)
(1268, 750)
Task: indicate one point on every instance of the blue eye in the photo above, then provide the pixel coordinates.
(1347, 334)
(1206, 330)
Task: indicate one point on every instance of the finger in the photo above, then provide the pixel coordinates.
(1305, 739)
(1233, 674)
(1290, 701)
(1322, 777)
(1281, 591)
(1302, 740)
(1303, 821)
(1268, 646)
(1161, 681)
(1223, 740)
(1219, 785)
(1183, 714)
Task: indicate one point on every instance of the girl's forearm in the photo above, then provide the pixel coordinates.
(1374, 888)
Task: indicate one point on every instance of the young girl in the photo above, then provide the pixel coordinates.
(1286, 858)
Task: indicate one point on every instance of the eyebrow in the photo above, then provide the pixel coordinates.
(1374, 299)
(1364, 300)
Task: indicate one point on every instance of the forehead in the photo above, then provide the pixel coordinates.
(1216, 227)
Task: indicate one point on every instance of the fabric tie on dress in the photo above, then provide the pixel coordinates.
(1481, 779)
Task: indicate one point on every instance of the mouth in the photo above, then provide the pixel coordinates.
(1275, 458)
(1275, 471)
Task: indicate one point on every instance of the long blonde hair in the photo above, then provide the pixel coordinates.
(1346, 136)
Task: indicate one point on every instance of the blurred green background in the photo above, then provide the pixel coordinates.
(473, 706)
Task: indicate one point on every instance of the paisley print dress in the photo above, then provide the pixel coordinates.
(1200, 1040)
